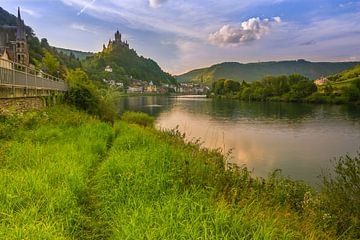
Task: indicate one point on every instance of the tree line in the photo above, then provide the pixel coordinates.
(291, 88)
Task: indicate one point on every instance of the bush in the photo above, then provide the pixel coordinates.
(341, 195)
(316, 97)
(84, 95)
(139, 118)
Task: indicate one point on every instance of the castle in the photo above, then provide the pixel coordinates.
(13, 44)
(116, 43)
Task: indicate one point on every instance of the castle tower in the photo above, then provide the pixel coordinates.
(21, 50)
(117, 37)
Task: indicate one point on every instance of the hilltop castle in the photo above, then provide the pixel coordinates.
(116, 43)
(13, 44)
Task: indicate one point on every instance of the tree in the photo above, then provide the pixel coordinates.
(50, 63)
(302, 89)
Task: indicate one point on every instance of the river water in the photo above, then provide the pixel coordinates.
(300, 139)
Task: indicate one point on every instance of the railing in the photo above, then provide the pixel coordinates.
(17, 77)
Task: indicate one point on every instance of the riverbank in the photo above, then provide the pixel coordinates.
(67, 175)
(316, 98)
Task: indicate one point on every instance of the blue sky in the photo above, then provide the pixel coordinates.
(185, 34)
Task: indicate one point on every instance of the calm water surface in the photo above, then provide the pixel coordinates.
(300, 139)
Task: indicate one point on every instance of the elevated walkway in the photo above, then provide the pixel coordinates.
(19, 81)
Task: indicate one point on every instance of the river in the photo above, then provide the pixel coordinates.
(299, 139)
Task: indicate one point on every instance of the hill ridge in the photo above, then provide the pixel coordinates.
(257, 70)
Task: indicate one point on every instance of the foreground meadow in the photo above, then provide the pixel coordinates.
(67, 175)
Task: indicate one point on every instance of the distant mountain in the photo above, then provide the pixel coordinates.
(123, 64)
(256, 71)
(77, 54)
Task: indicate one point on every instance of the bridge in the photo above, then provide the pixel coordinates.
(19, 81)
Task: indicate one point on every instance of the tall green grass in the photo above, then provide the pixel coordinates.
(44, 170)
(67, 175)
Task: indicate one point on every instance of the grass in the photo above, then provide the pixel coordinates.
(67, 175)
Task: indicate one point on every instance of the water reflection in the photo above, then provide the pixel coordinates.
(298, 138)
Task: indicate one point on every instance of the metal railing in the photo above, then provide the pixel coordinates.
(17, 76)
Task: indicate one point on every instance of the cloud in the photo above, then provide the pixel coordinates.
(85, 7)
(156, 3)
(81, 27)
(308, 43)
(31, 12)
(248, 31)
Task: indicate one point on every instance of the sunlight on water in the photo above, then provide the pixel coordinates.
(300, 139)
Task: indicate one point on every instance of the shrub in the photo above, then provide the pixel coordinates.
(139, 118)
(341, 195)
(84, 95)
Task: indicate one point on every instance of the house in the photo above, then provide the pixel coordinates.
(151, 88)
(108, 69)
(5, 59)
(135, 89)
(321, 81)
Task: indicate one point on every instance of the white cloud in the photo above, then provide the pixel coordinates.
(85, 7)
(31, 12)
(81, 27)
(156, 3)
(248, 31)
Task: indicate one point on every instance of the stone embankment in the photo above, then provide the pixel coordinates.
(9, 106)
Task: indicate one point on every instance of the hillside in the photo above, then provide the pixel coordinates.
(38, 48)
(78, 54)
(256, 71)
(127, 66)
(351, 74)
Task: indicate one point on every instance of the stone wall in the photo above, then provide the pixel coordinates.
(9, 106)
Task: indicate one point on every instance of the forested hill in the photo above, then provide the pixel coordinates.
(127, 66)
(256, 71)
(39, 49)
(77, 54)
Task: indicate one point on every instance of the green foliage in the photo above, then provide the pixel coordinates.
(256, 71)
(139, 118)
(352, 93)
(77, 54)
(66, 175)
(50, 64)
(126, 65)
(346, 75)
(85, 95)
(290, 88)
(302, 89)
(341, 196)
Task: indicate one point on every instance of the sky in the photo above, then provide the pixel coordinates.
(182, 35)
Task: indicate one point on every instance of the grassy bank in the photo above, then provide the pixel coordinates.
(67, 175)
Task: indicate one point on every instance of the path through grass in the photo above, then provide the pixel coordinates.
(66, 175)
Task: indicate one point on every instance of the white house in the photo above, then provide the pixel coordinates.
(108, 69)
(321, 81)
(5, 60)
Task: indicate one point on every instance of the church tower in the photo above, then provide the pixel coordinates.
(21, 50)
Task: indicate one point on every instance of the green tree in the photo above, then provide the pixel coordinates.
(302, 89)
(50, 63)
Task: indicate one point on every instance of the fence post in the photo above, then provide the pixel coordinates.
(13, 87)
(26, 82)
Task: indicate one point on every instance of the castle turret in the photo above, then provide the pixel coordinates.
(118, 37)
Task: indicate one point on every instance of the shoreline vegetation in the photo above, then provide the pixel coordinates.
(291, 88)
(67, 174)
